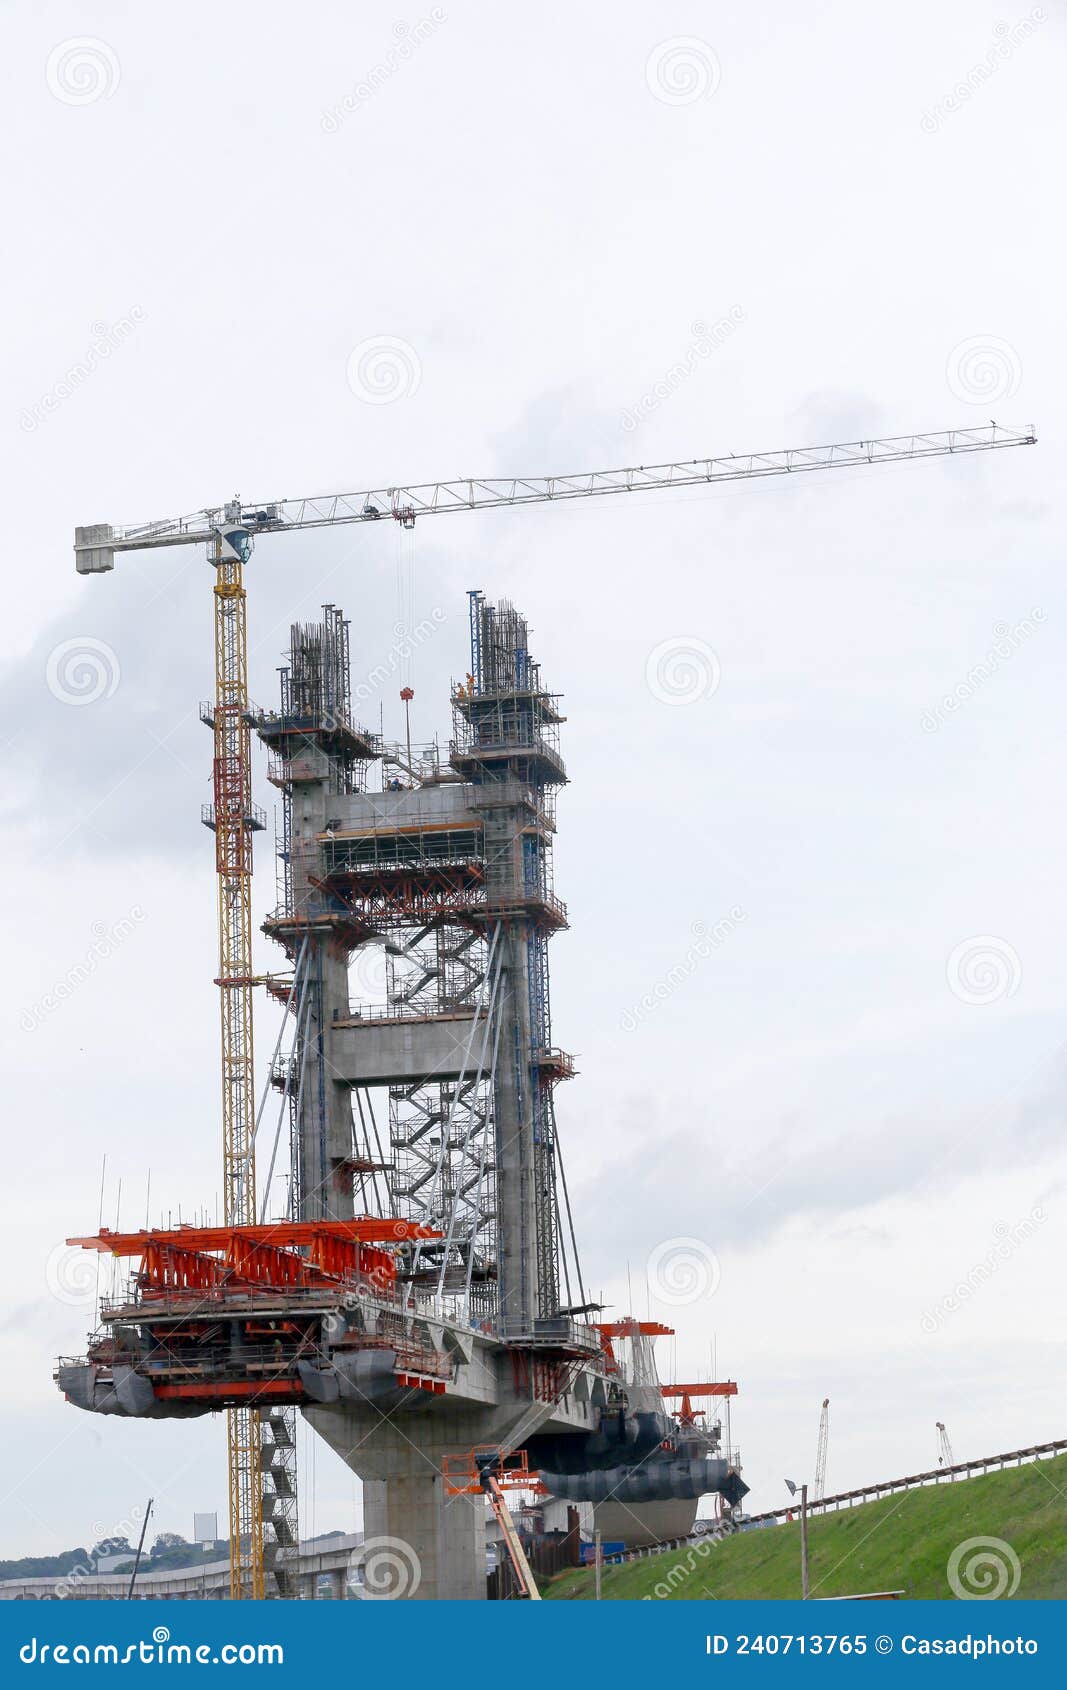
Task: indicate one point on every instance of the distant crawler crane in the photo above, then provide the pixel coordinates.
(945, 1457)
(228, 532)
(819, 1489)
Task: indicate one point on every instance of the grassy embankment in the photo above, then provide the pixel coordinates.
(902, 1542)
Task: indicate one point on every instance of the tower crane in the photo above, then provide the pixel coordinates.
(820, 1458)
(228, 532)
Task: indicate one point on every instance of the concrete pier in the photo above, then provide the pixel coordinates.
(421, 1544)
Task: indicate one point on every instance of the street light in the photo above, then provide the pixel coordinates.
(805, 1588)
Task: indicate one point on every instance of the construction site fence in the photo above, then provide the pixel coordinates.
(547, 1558)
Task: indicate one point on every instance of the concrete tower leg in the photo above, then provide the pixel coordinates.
(421, 1544)
(513, 1123)
(325, 1125)
(445, 1533)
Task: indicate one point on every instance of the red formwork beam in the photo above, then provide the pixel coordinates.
(294, 1255)
(396, 897)
(727, 1388)
(685, 1413)
(365, 1229)
(627, 1327)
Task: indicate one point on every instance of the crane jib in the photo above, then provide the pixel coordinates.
(95, 545)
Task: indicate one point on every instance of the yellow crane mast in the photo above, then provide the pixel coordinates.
(234, 822)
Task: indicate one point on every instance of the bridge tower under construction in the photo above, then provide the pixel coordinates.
(438, 1103)
(434, 1103)
(415, 1289)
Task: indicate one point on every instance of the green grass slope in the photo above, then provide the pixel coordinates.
(902, 1542)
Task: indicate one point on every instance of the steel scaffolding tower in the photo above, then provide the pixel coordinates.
(442, 1171)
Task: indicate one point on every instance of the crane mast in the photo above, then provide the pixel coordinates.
(234, 820)
(228, 533)
(820, 1458)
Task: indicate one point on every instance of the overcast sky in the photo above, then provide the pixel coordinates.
(816, 970)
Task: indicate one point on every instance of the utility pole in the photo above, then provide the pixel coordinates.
(140, 1546)
(792, 1488)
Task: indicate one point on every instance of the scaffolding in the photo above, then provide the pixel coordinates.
(459, 890)
(442, 1172)
(314, 731)
(506, 743)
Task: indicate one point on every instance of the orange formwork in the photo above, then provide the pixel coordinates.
(628, 1327)
(465, 1474)
(286, 1256)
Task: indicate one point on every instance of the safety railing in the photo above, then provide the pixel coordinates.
(404, 1012)
(932, 1476)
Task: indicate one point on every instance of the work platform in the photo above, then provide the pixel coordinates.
(326, 1316)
